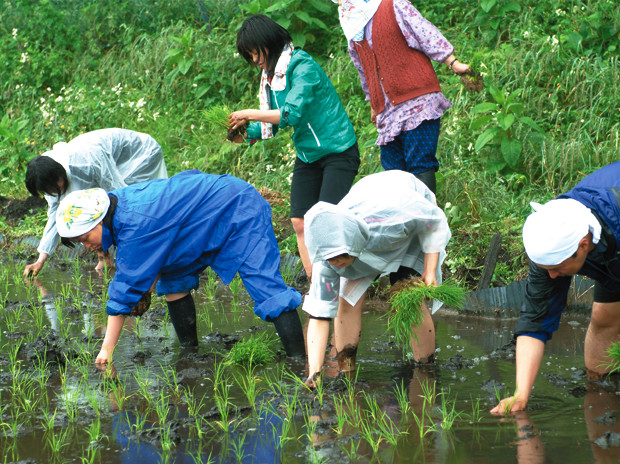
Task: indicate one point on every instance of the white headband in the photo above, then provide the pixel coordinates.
(552, 233)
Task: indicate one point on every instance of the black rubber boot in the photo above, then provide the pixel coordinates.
(183, 317)
(289, 329)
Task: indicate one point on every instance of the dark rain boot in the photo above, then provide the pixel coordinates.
(288, 327)
(183, 317)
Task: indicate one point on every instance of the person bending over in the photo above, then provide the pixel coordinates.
(577, 233)
(106, 158)
(169, 231)
(389, 223)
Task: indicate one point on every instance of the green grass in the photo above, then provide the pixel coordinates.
(119, 73)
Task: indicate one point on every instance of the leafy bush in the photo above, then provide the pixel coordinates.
(504, 118)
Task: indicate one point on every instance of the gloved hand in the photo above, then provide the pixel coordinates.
(143, 305)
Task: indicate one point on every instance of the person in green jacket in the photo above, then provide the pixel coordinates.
(295, 91)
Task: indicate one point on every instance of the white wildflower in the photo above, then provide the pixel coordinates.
(155, 115)
(15, 34)
(560, 12)
(526, 34)
(141, 103)
(58, 99)
(25, 57)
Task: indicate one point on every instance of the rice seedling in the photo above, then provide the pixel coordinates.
(341, 415)
(248, 381)
(428, 397)
(211, 286)
(235, 286)
(613, 352)
(142, 378)
(237, 447)
(403, 399)
(221, 390)
(449, 414)
(117, 392)
(406, 305)
(162, 407)
(12, 427)
(56, 441)
(509, 404)
(37, 317)
(254, 351)
(475, 415)
(217, 117)
(166, 441)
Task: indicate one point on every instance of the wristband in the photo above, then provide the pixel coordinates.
(453, 61)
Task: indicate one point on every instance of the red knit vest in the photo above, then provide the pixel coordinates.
(405, 73)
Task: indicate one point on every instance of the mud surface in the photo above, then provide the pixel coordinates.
(15, 210)
(159, 402)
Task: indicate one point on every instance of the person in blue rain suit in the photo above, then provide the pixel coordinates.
(167, 232)
(577, 233)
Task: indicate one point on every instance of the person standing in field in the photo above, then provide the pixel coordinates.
(392, 45)
(296, 92)
(106, 158)
(577, 233)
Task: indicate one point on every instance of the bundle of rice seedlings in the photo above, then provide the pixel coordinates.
(614, 353)
(217, 117)
(472, 80)
(406, 302)
(253, 351)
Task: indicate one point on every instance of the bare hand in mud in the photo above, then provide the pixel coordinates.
(32, 269)
(108, 370)
(511, 404)
(102, 358)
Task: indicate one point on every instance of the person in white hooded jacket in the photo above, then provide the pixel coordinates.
(106, 158)
(389, 223)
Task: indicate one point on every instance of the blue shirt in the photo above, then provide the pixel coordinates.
(176, 227)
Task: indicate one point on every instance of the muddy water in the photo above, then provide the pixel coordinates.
(57, 407)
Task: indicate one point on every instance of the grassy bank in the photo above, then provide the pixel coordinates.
(550, 71)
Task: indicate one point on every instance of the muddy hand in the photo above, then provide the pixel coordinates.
(461, 68)
(237, 119)
(32, 269)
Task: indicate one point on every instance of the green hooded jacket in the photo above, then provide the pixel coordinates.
(310, 104)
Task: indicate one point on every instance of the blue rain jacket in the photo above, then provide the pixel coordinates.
(545, 298)
(179, 226)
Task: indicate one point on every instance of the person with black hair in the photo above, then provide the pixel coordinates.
(295, 91)
(105, 158)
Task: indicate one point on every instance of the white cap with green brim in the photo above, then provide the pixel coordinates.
(80, 211)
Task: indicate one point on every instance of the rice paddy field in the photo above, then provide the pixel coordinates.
(158, 402)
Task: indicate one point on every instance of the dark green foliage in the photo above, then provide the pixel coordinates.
(72, 66)
(254, 351)
(406, 306)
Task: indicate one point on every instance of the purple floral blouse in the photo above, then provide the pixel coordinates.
(421, 35)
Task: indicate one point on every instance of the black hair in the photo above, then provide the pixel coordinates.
(42, 176)
(262, 34)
